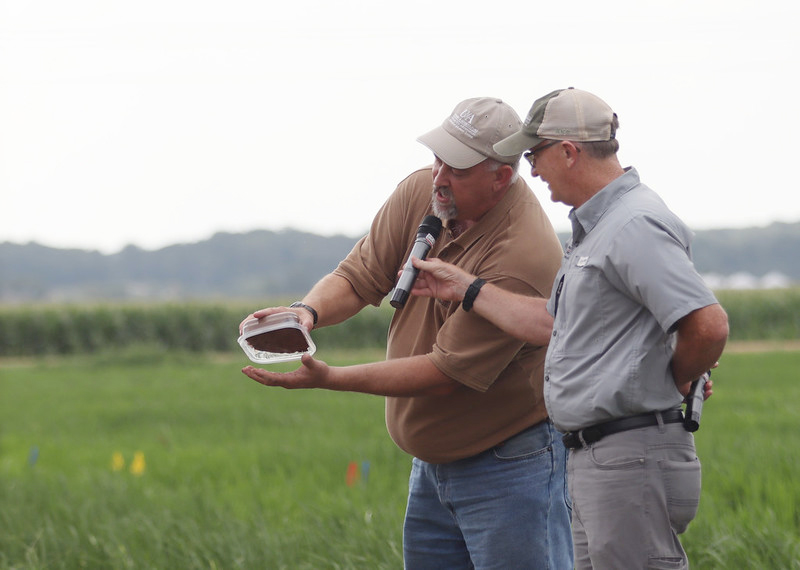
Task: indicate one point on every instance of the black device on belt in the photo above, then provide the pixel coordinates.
(592, 434)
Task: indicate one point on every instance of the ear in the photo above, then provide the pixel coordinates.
(571, 152)
(502, 176)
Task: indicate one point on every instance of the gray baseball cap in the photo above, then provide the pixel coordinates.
(468, 135)
(563, 115)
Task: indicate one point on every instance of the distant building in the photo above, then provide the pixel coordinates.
(744, 280)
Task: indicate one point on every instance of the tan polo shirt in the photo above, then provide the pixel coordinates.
(514, 247)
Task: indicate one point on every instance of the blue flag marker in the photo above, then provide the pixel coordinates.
(33, 456)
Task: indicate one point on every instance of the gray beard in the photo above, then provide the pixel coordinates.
(449, 213)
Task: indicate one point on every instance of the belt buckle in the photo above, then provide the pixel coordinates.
(591, 434)
(571, 440)
(577, 439)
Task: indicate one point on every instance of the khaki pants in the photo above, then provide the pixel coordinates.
(633, 492)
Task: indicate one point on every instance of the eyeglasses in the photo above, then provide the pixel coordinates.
(530, 156)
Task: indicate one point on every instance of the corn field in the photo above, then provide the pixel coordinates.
(192, 327)
(37, 330)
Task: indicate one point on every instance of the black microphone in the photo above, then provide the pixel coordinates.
(427, 234)
(694, 403)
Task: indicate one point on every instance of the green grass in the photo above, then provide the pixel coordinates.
(242, 476)
(237, 475)
(748, 444)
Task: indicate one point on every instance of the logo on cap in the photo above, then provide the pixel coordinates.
(463, 122)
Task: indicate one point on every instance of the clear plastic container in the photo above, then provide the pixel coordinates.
(276, 338)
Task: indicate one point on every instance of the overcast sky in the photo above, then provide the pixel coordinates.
(164, 121)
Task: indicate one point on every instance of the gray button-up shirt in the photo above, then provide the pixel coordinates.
(626, 279)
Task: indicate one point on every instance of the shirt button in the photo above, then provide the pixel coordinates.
(547, 378)
(554, 333)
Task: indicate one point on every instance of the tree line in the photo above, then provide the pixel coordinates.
(265, 263)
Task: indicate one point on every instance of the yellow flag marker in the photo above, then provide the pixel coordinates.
(117, 461)
(138, 465)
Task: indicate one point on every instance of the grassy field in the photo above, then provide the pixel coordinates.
(151, 460)
(748, 444)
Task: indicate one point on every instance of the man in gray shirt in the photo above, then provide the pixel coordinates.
(630, 324)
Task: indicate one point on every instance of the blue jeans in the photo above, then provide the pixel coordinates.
(505, 508)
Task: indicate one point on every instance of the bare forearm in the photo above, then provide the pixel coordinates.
(521, 316)
(701, 339)
(334, 299)
(403, 377)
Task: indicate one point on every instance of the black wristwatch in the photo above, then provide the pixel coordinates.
(472, 292)
(307, 308)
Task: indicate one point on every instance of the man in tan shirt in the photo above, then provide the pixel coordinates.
(463, 398)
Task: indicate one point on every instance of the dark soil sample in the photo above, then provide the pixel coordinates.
(286, 340)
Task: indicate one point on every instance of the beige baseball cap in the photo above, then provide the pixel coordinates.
(468, 135)
(563, 115)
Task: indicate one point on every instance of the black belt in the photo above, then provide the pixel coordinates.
(591, 434)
